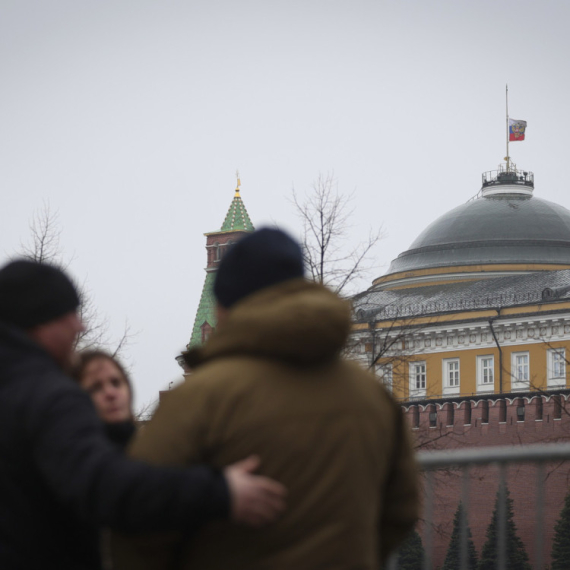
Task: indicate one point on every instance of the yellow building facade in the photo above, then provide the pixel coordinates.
(480, 302)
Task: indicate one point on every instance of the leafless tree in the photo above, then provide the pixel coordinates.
(44, 246)
(44, 239)
(145, 412)
(392, 344)
(387, 350)
(388, 339)
(329, 258)
(326, 235)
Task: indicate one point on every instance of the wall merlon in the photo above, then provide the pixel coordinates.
(514, 416)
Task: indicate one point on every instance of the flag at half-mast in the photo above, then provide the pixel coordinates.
(516, 130)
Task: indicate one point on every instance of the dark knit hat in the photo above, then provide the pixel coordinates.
(261, 259)
(34, 293)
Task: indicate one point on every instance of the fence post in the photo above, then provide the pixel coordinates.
(463, 558)
(539, 550)
(428, 550)
(502, 519)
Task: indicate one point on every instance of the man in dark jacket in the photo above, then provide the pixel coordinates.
(271, 381)
(59, 476)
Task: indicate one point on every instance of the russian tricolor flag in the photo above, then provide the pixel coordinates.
(516, 130)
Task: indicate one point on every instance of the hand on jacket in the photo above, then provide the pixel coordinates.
(255, 500)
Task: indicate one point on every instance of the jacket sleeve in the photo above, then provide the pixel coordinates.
(88, 475)
(401, 502)
(178, 433)
(176, 436)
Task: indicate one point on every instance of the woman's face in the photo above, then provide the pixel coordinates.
(108, 389)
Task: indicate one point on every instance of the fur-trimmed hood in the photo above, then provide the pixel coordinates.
(298, 322)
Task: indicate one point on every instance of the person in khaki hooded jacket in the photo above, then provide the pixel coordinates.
(270, 381)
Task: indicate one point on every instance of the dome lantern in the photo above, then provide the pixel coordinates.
(507, 180)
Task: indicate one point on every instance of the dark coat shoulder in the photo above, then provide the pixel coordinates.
(60, 476)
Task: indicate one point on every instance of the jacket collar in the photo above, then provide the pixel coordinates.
(297, 321)
(15, 343)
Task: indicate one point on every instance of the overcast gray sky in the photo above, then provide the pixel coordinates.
(131, 117)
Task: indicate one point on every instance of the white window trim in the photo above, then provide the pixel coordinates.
(517, 385)
(552, 380)
(384, 373)
(446, 388)
(482, 386)
(417, 392)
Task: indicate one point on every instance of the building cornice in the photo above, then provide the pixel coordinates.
(457, 337)
(387, 281)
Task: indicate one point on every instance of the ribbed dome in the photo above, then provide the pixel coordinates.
(493, 229)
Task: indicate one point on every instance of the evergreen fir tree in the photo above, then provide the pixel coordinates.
(516, 557)
(561, 543)
(453, 556)
(411, 553)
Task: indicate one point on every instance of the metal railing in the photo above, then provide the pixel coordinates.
(502, 457)
(507, 175)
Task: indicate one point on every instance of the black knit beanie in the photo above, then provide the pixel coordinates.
(261, 259)
(34, 293)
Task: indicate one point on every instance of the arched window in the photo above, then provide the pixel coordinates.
(206, 330)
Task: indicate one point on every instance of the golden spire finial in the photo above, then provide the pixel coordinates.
(238, 184)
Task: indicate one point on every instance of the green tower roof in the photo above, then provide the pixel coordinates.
(206, 311)
(236, 220)
(237, 217)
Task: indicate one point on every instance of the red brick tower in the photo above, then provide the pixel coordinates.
(235, 226)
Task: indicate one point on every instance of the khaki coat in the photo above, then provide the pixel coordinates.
(271, 382)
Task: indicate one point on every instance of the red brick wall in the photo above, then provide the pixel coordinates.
(483, 481)
(222, 240)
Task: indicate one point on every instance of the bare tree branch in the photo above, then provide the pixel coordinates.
(125, 340)
(325, 217)
(44, 241)
(145, 412)
(44, 246)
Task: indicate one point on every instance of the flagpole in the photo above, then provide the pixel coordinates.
(507, 109)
